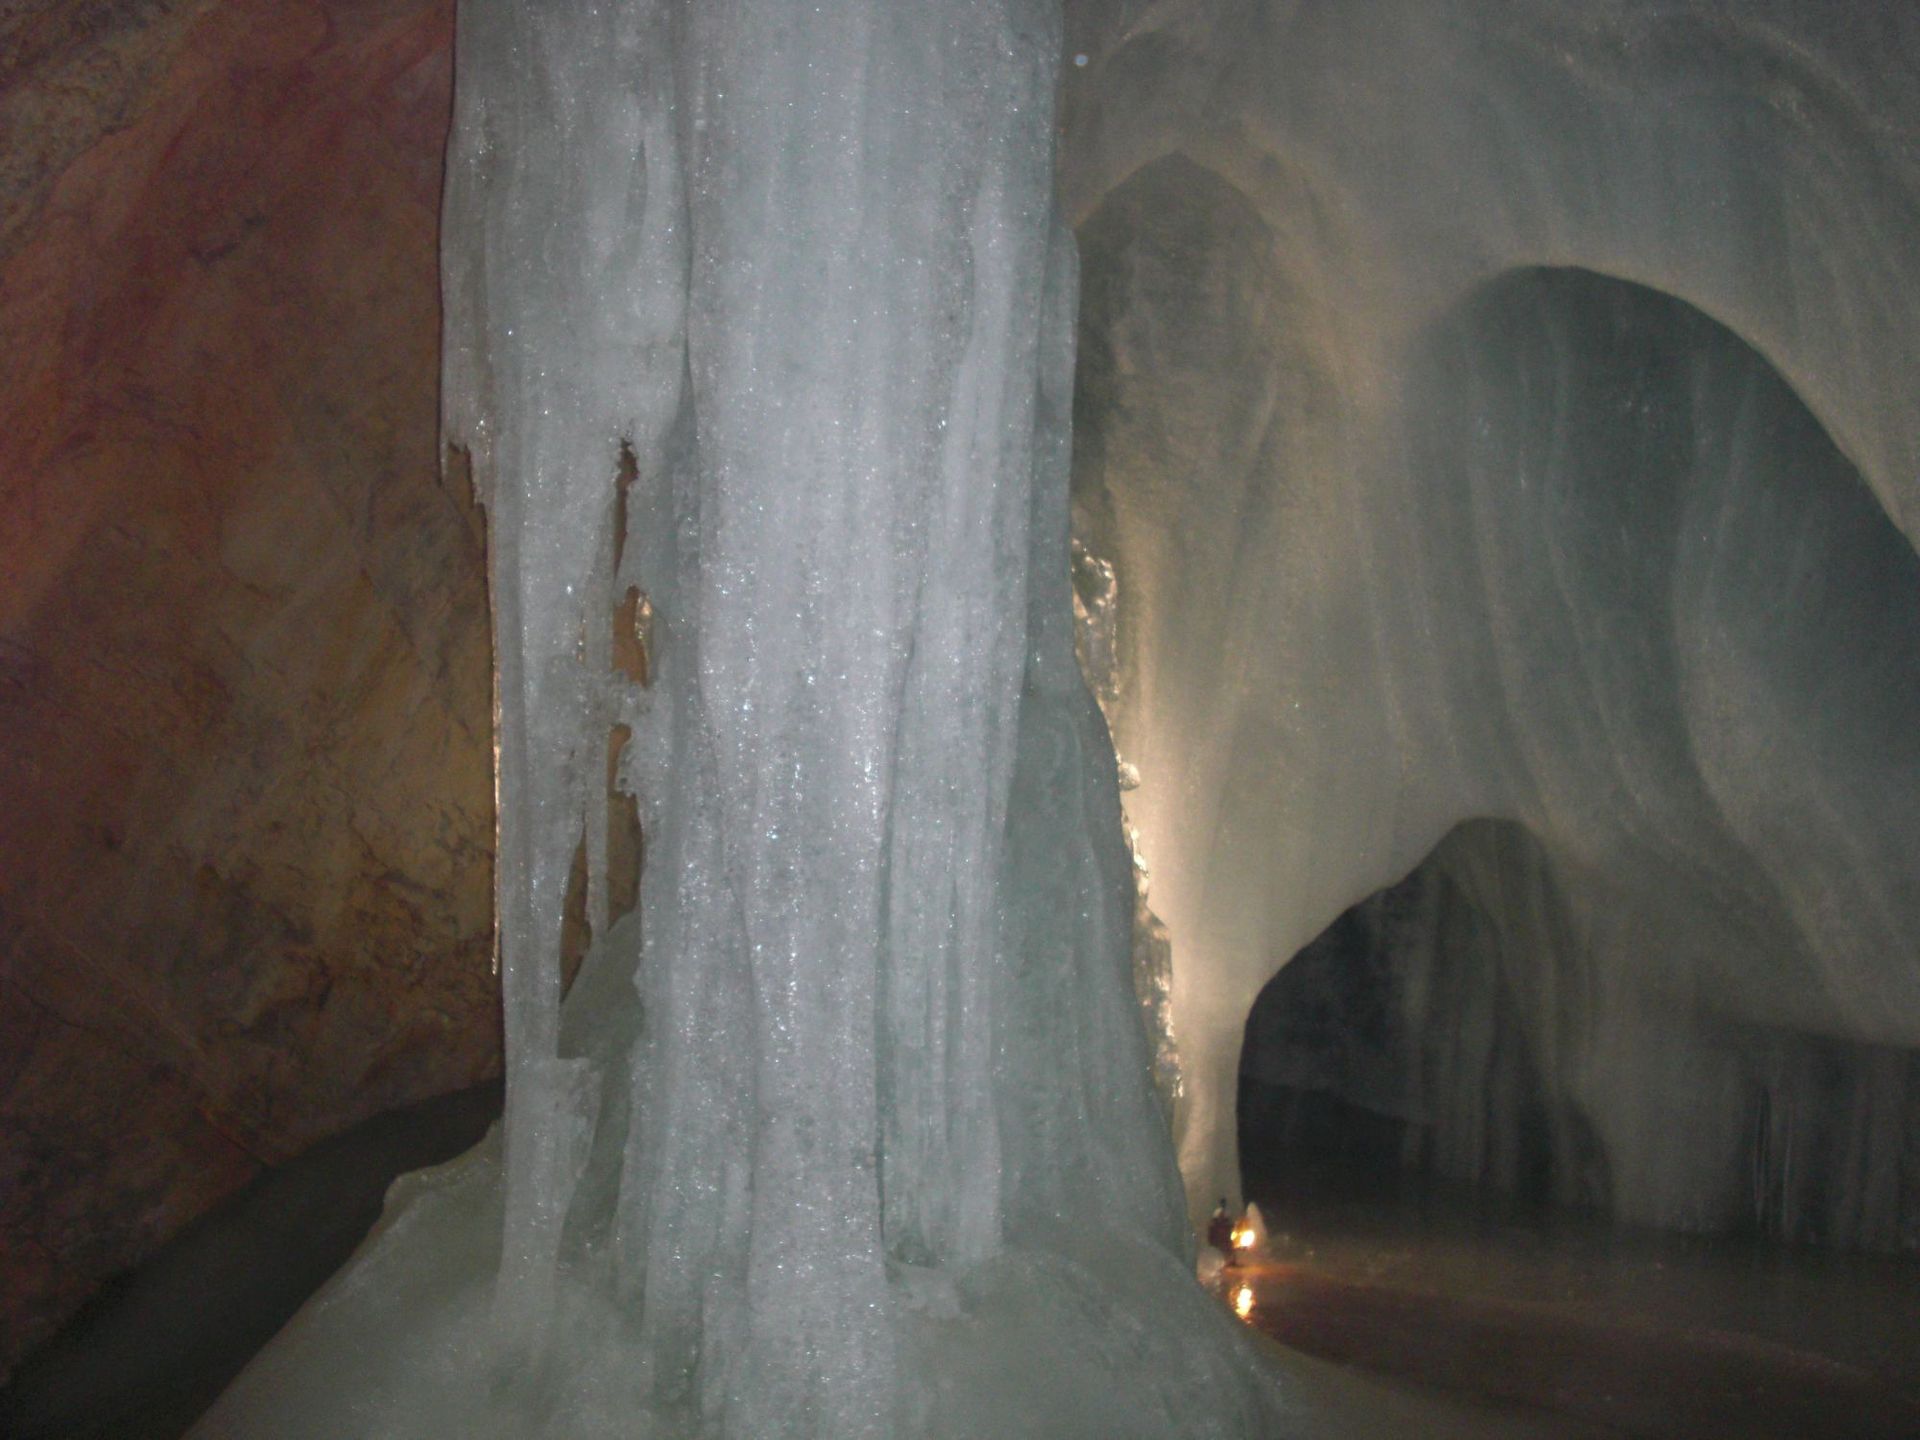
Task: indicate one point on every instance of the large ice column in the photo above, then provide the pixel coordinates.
(838, 553)
(766, 314)
(841, 653)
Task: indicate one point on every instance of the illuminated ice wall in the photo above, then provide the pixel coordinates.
(1509, 412)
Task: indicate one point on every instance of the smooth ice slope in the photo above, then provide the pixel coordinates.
(1386, 561)
(859, 1139)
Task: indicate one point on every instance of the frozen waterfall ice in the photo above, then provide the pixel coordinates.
(850, 1130)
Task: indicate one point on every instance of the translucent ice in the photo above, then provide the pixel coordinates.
(859, 1138)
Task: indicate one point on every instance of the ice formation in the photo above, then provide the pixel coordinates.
(1506, 411)
(1096, 638)
(1486, 411)
(850, 1130)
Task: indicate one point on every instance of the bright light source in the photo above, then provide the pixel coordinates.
(1243, 1301)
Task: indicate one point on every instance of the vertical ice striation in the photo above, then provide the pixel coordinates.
(861, 1139)
(839, 557)
(563, 340)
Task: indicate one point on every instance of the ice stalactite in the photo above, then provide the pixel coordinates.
(860, 1139)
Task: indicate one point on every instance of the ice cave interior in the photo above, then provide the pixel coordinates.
(1189, 601)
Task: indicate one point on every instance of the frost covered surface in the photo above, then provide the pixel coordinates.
(1508, 411)
(860, 1138)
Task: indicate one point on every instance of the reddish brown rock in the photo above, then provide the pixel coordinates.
(245, 809)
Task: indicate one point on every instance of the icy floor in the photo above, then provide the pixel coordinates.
(1589, 1330)
(159, 1343)
(1404, 1319)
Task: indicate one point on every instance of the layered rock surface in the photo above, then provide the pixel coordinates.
(245, 808)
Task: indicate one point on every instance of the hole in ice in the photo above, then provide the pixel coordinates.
(456, 477)
(624, 852)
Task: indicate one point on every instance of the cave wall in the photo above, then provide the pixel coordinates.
(1281, 207)
(245, 797)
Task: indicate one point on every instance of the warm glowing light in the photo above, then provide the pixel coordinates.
(1243, 1238)
(1243, 1301)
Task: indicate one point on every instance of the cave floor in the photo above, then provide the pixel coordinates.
(1394, 1317)
(1593, 1330)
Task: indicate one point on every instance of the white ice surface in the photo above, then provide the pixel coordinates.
(850, 1131)
(1383, 567)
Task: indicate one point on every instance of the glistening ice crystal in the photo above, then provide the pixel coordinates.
(850, 1132)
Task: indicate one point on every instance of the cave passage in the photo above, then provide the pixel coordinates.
(1395, 1054)
(1408, 1054)
(1492, 479)
(1438, 1194)
(1629, 1029)
(1645, 631)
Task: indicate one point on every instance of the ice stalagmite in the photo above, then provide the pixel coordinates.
(860, 1139)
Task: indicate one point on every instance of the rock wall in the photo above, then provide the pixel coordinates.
(245, 807)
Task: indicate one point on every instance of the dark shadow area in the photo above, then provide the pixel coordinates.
(1433, 1045)
(1395, 1055)
(1438, 1193)
(155, 1347)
